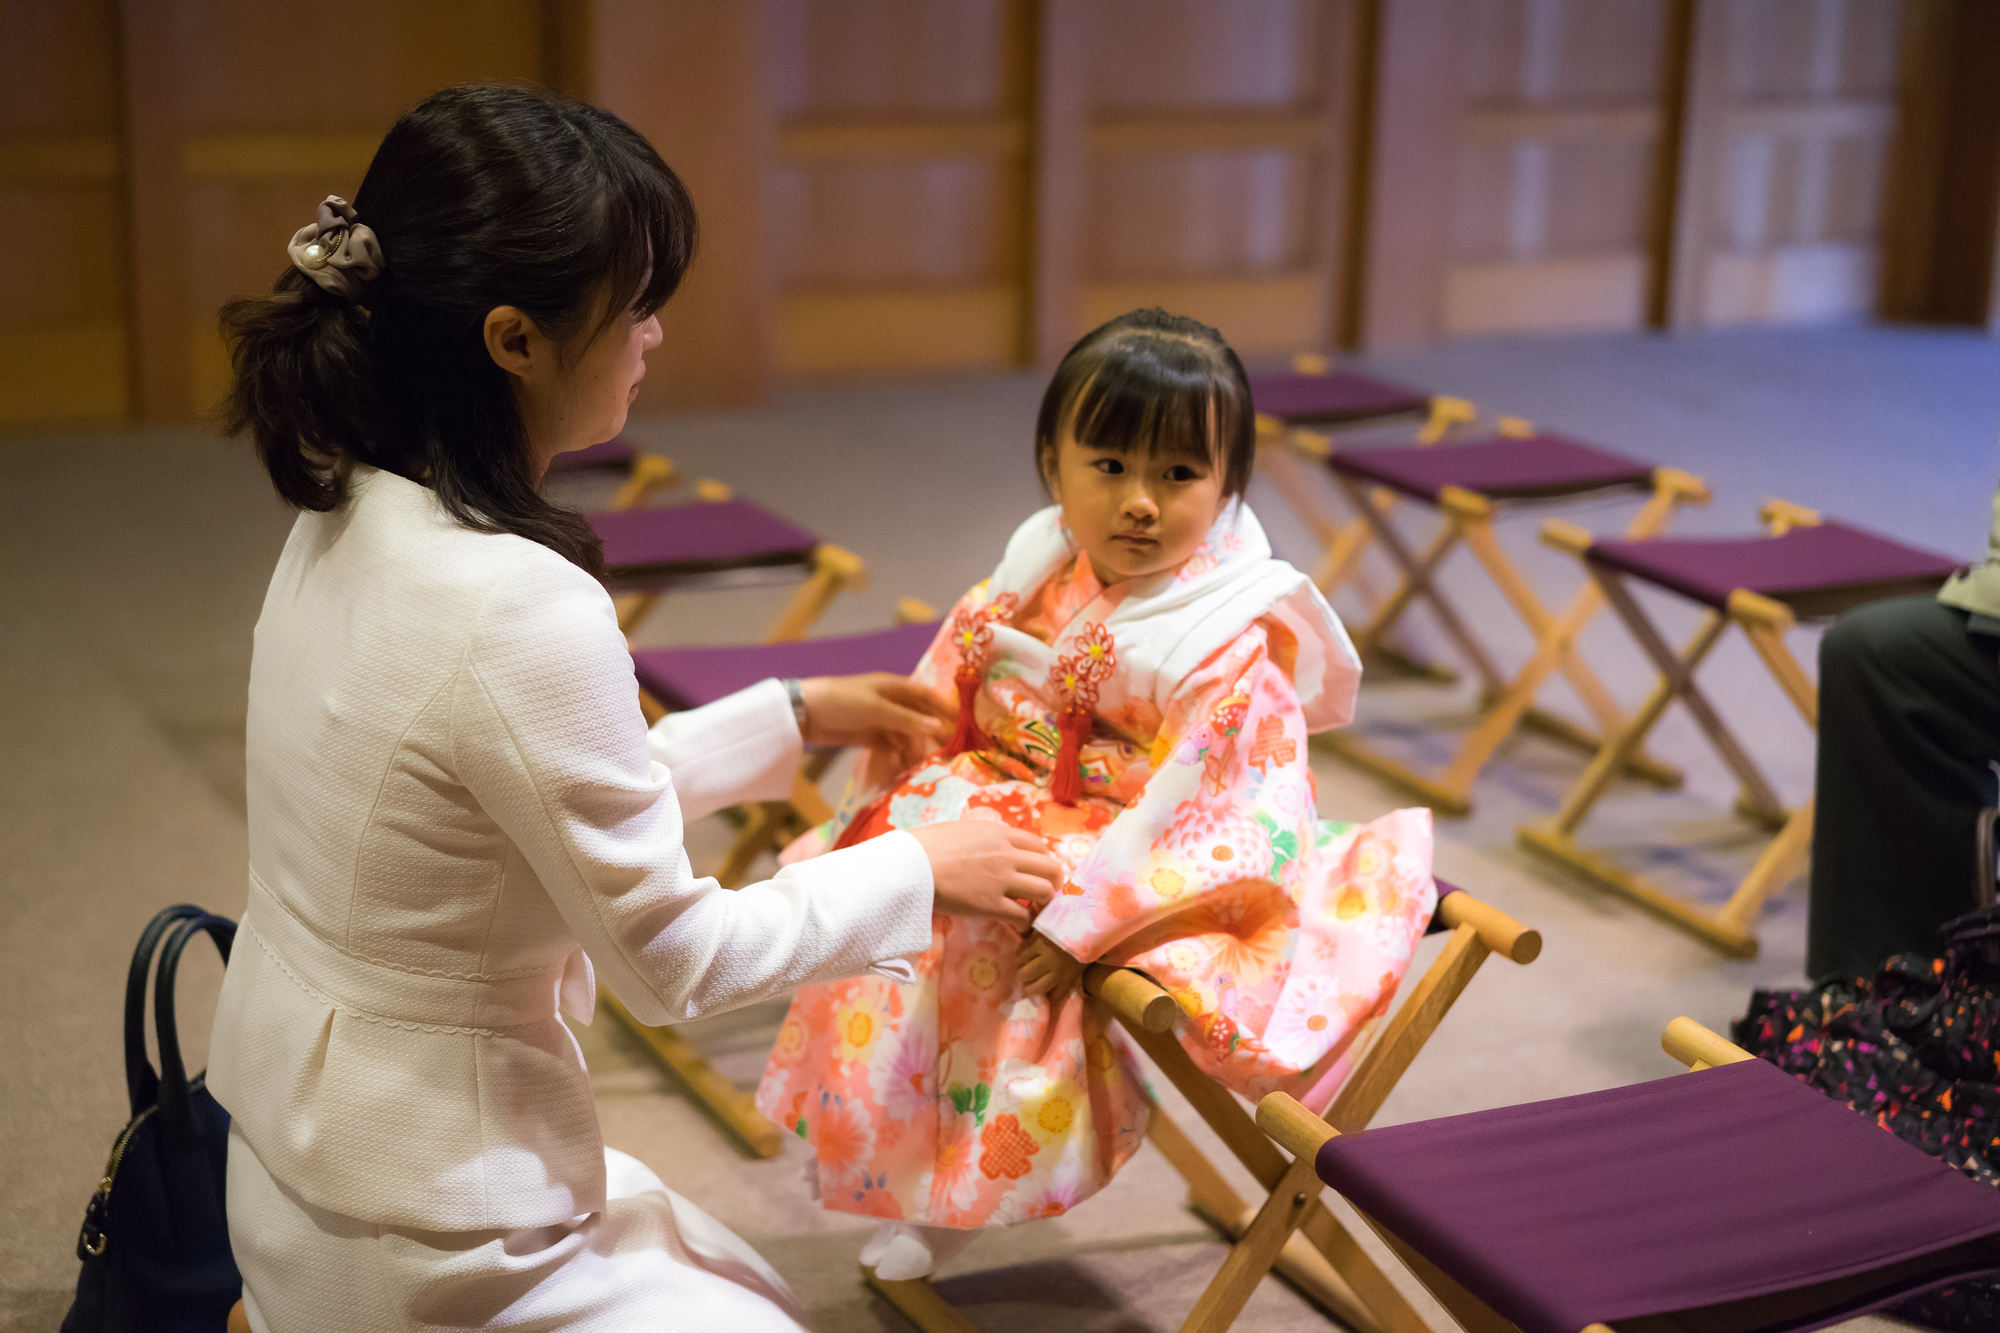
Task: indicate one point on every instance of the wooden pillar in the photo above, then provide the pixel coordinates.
(155, 211)
(1354, 61)
(1060, 175)
(1410, 174)
(1700, 29)
(691, 75)
(1941, 224)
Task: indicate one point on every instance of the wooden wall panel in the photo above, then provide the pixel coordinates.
(1557, 130)
(63, 276)
(238, 116)
(692, 77)
(898, 200)
(1799, 101)
(1941, 237)
(1516, 176)
(890, 186)
(1194, 155)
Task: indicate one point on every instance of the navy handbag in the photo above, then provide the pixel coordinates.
(155, 1240)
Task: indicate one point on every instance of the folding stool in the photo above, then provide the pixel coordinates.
(720, 541)
(671, 679)
(1467, 483)
(1731, 1199)
(1803, 568)
(1315, 395)
(1323, 1261)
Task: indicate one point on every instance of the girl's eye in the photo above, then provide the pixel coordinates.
(1182, 472)
(1110, 467)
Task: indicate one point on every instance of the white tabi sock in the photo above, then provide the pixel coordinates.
(900, 1251)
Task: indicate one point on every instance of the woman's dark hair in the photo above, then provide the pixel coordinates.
(1154, 381)
(483, 196)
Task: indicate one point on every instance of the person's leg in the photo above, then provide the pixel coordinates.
(1909, 715)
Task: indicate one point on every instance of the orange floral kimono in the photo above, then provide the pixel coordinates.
(1155, 732)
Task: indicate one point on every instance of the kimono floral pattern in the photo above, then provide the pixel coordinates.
(1192, 852)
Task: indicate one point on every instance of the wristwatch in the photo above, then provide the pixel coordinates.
(795, 690)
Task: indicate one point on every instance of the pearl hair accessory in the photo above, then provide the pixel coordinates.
(337, 252)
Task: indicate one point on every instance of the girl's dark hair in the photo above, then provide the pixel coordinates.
(483, 196)
(1154, 381)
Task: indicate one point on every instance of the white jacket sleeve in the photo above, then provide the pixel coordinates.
(742, 748)
(546, 734)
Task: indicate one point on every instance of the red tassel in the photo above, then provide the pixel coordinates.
(1066, 779)
(968, 736)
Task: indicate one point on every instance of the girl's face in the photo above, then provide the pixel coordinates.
(1134, 514)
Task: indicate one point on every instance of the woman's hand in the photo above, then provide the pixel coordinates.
(981, 867)
(893, 716)
(1046, 968)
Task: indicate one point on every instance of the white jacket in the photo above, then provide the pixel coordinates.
(455, 810)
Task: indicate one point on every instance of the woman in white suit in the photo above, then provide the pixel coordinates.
(458, 818)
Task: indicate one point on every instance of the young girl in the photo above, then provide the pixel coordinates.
(1135, 682)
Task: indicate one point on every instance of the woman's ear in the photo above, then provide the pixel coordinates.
(513, 341)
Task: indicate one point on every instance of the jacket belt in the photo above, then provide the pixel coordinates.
(372, 989)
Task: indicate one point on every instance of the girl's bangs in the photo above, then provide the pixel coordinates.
(1136, 402)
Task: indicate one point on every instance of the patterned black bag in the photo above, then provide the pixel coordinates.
(1916, 1048)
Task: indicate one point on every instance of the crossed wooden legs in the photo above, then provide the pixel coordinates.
(1293, 1204)
(1293, 1233)
(1510, 704)
(1732, 927)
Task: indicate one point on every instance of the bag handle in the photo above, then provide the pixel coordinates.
(141, 1083)
(177, 1118)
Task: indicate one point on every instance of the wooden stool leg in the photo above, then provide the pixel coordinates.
(730, 1107)
(1318, 1276)
(834, 568)
(1777, 867)
(1253, 1256)
(752, 841)
(1554, 837)
(1673, 682)
(920, 1304)
(633, 607)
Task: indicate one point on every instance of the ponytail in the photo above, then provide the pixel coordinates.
(307, 390)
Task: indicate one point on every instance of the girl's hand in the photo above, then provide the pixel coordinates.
(890, 714)
(981, 867)
(1045, 968)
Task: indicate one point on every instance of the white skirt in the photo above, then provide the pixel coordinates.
(649, 1263)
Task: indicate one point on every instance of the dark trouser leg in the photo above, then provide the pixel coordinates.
(1909, 715)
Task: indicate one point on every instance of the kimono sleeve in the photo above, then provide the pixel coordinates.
(1230, 800)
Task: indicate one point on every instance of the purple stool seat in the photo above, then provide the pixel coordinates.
(614, 453)
(1721, 1186)
(690, 677)
(699, 538)
(1334, 397)
(1816, 571)
(1539, 467)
